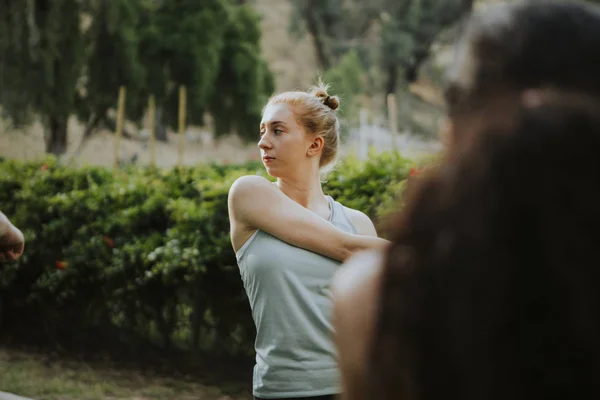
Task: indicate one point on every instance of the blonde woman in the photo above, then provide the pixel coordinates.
(289, 239)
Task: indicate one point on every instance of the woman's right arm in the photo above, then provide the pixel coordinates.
(12, 241)
(255, 203)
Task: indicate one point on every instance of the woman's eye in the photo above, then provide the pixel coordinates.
(278, 131)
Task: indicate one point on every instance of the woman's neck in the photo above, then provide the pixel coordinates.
(305, 190)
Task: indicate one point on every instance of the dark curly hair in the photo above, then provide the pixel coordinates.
(490, 289)
(513, 46)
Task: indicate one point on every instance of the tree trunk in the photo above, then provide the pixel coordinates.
(313, 27)
(111, 125)
(392, 80)
(419, 57)
(89, 130)
(197, 318)
(160, 130)
(164, 324)
(56, 139)
(93, 124)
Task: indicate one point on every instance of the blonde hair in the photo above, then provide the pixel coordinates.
(315, 111)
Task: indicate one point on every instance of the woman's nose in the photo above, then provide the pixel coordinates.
(264, 143)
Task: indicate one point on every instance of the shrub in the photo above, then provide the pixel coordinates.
(145, 251)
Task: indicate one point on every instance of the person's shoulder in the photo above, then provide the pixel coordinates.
(251, 181)
(361, 221)
(248, 184)
(358, 277)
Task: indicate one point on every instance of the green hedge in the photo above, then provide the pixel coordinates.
(145, 251)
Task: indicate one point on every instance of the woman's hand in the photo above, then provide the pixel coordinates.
(12, 241)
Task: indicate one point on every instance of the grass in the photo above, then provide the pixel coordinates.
(36, 376)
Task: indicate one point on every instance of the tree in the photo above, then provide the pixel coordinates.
(244, 82)
(409, 29)
(346, 81)
(41, 56)
(213, 48)
(65, 57)
(320, 19)
(112, 59)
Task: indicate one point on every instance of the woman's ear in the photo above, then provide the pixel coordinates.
(316, 146)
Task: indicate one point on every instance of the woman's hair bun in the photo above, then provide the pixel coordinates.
(332, 102)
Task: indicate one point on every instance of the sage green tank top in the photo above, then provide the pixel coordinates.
(289, 292)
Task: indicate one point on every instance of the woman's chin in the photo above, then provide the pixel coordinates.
(272, 171)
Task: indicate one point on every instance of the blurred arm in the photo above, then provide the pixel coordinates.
(355, 290)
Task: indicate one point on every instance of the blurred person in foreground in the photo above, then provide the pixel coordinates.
(490, 288)
(490, 257)
(12, 242)
(290, 238)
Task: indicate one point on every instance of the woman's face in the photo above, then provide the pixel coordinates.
(283, 143)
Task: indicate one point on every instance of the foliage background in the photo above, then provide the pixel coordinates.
(144, 255)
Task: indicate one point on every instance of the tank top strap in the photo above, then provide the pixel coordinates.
(338, 215)
(332, 208)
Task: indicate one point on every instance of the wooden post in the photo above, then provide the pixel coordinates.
(119, 128)
(392, 118)
(182, 109)
(363, 146)
(151, 115)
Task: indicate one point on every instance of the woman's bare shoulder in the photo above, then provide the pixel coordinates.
(248, 183)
